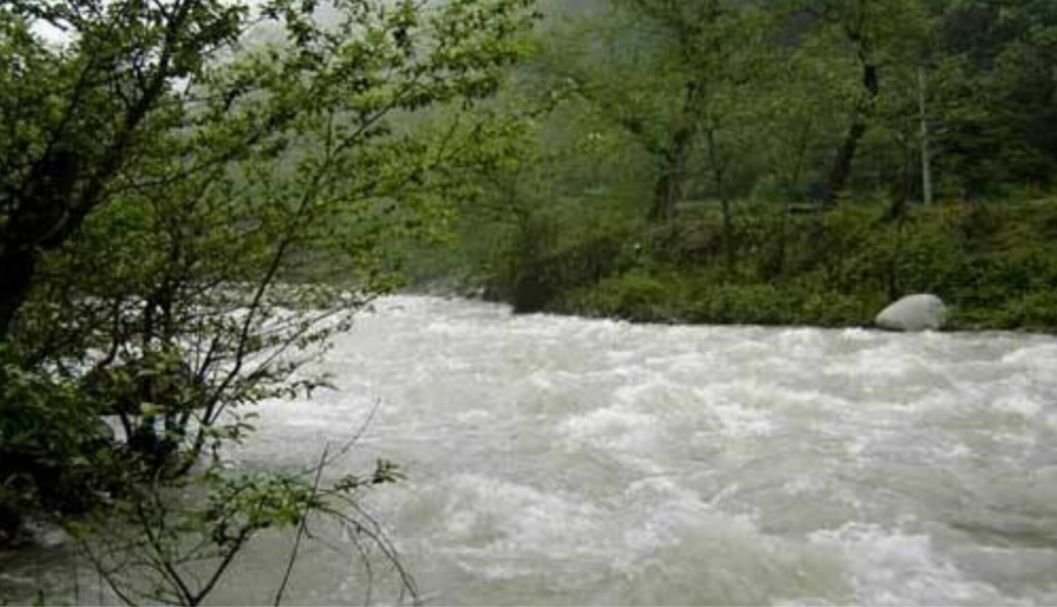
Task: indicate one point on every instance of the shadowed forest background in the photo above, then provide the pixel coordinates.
(765, 162)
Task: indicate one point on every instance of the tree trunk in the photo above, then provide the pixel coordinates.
(671, 184)
(17, 269)
(41, 219)
(840, 171)
(926, 162)
(728, 233)
(718, 176)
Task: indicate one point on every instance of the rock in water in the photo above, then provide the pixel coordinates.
(920, 312)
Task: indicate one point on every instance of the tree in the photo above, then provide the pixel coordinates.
(996, 94)
(195, 195)
(879, 35)
(667, 66)
(175, 551)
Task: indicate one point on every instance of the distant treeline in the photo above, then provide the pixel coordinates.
(670, 149)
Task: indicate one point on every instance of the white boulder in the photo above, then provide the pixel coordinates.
(921, 312)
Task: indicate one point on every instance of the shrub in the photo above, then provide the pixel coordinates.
(1037, 311)
(547, 260)
(929, 258)
(742, 304)
(635, 296)
(995, 266)
(52, 449)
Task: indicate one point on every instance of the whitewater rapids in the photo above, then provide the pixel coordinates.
(557, 460)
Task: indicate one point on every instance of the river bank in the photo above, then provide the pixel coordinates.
(994, 265)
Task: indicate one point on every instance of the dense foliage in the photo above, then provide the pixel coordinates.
(996, 268)
(742, 161)
(194, 196)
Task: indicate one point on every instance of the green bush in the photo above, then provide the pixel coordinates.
(995, 266)
(635, 296)
(549, 257)
(928, 258)
(1036, 311)
(815, 306)
(739, 303)
(52, 448)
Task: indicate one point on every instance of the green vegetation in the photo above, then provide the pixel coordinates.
(196, 195)
(997, 268)
(804, 162)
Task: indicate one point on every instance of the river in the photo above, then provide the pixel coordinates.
(557, 460)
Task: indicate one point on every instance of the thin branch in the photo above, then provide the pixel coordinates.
(301, 529)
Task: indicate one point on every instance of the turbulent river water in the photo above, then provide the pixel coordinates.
(567, 461)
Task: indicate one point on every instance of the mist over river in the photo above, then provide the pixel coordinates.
(560, 460)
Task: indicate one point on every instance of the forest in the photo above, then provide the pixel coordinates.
(197, 196)
(774, 163)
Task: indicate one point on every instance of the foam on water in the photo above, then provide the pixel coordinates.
(568, 461)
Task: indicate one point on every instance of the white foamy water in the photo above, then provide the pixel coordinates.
(568, 461)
